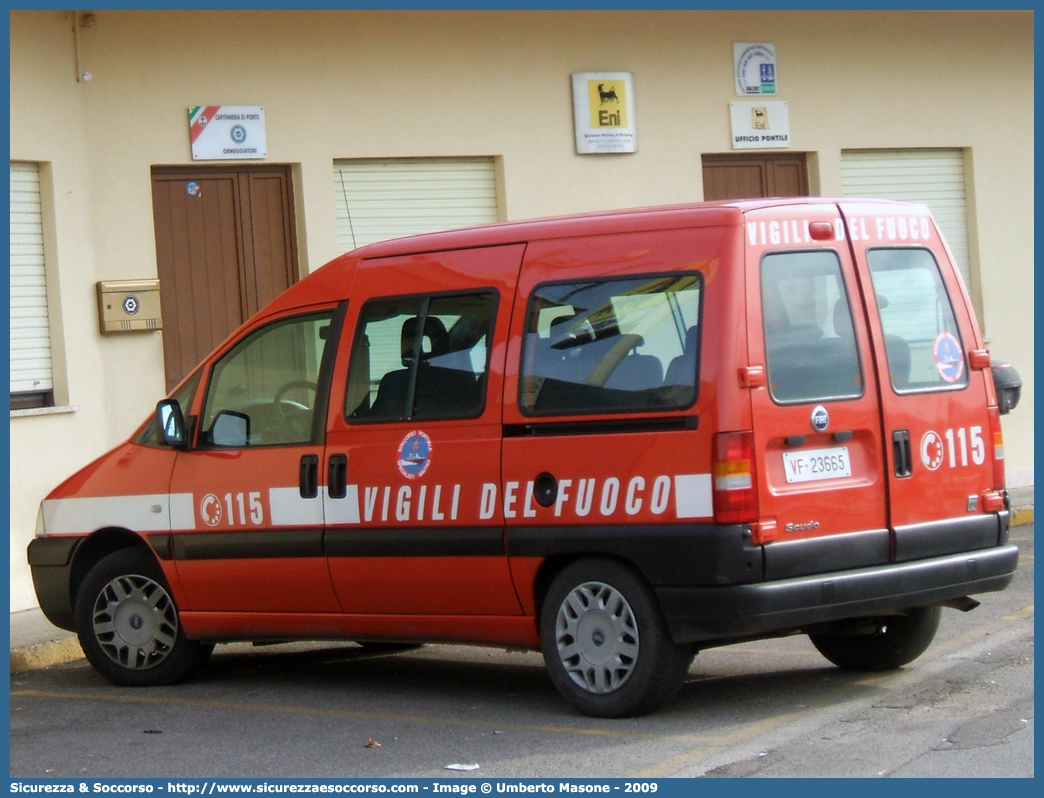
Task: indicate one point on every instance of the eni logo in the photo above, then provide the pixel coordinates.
(608, 104)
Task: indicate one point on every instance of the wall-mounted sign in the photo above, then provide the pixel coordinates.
(759, 125)
(603, 112)
(227, 132)
(755, 68)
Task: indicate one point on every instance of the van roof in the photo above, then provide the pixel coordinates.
(332, 278)
(696, 214)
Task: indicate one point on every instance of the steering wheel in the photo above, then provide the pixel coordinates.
(296, 418)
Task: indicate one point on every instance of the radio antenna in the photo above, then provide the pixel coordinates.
(347, 207)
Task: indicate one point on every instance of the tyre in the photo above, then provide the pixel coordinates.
(605, 642)
(893, 642)
(128, 624)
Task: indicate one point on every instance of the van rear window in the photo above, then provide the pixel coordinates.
(809, 337)
(922, 342)
(612, 345)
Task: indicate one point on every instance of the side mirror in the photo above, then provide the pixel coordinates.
(1008, 384)
(230, 429)
(172, 423)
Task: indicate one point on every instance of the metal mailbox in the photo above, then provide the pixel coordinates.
(129, 306)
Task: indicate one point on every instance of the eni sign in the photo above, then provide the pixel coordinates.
(603, 112)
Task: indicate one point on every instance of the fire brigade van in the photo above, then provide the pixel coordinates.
(616, 438)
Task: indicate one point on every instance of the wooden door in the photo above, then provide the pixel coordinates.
(225, 247)
(728, 177)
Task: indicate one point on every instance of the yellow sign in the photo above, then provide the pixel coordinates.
(603, 112)
(608, 103)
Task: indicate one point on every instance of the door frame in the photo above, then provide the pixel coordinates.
(246, 211)
(768, 161)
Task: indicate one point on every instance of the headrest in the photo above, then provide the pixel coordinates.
(690, 338)
(434, 331)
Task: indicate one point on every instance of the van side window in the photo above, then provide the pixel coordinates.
(421, 358)
(809, 338)
(263, 391)
(922, 342)
(611, 345)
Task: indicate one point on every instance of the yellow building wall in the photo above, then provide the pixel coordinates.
(356, 84)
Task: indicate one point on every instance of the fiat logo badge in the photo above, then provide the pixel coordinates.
(820, 418)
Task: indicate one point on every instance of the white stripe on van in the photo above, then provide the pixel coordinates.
(289, 509)
(150, 512)
(342, 511)
(182, 511)
(692, 496)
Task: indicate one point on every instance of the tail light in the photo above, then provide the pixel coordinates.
(998, 448)
(735, 479)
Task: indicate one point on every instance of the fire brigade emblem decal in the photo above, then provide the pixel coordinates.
(210, 510)
(414, 455)
(949, 359)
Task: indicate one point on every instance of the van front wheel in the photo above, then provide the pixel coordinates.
(128, 625)
(883, 644)
(605, 642)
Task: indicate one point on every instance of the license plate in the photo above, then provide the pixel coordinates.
(815, 464)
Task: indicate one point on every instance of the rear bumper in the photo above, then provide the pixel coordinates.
(696, 614)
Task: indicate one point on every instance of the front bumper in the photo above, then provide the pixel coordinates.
(50, 560)
(697, 614)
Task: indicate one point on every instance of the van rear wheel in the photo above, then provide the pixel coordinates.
(605, 642)
(128, 625)
(887, 644)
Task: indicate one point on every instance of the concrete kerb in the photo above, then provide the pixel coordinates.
(44, 655)
(35, 643)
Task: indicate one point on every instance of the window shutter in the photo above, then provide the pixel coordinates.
(388, 198)
(30, 335)
(932, 177)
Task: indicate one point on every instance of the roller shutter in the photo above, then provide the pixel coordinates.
(932, 177)
(30, 334)
(388, 198)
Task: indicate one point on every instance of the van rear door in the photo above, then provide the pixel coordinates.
(817, 426)
(941, 440)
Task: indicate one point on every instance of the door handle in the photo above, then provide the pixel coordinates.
(337, 476)
(901, 452)
(309, 476)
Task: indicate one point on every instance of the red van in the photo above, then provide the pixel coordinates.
(619, 438)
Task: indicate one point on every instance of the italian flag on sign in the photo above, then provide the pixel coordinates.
(199, 118)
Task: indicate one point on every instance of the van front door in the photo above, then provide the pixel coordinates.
(254, 543)
(817, 424)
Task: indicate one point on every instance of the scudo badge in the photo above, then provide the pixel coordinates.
(820, 418)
